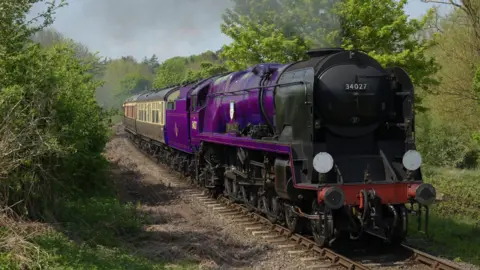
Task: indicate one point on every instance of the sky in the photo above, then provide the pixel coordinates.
(140, 28)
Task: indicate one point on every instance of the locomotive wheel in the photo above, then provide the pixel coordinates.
(294, 223)
(176, 162)
(271, 207)
(399, 232)
(321, 228)
(168, 161)
(186, 168)
(207, 175)
(249, 197)
(235, 191)
(195, 171)
(228, 188)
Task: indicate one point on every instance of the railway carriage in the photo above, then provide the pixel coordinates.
(324, 145)
(130, 114)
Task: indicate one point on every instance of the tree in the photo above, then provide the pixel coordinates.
(178, 70)
(123, 77)
(254, 43)
(470, 8)
(135, 83)
(151, 62)
(207, 69)
(310, 20)
(170, 72)
(382, 29)
(49, 37)
(276, 31)
(52, 131)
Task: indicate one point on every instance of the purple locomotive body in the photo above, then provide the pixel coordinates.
(325, 145)
(242, 90)
(229, 104)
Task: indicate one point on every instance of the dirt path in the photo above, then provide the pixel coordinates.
(182, 229)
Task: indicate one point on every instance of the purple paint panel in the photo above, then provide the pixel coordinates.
(241, 88)
(226, 139)
(177, 119)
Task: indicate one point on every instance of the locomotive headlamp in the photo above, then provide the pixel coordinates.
(412, 160)
(323, 162)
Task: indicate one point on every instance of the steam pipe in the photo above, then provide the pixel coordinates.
(262, 105)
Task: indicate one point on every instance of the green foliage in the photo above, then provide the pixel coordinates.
(276, 31)
(445, 145)
(382, 29)
(306, 19)
(124, 77)
(52, 136)
(254, 43)
(207, 69)
(170, 72)
(136, 83)
(152, 63)
(177, 70)
(53, 132)
(476, 83)
(446, 133)
(476, 137)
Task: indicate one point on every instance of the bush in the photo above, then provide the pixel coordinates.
(445, 145)
(52, 130)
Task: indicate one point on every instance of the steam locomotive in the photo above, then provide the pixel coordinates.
(325, 146)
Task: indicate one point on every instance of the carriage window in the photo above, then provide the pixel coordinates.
(149, 113)
(155, 112)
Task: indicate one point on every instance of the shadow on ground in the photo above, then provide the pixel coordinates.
(146, 226)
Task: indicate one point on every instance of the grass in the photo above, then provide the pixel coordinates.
(454, 226)
(92, 234)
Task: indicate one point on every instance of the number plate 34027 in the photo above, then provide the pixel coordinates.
(356, 86)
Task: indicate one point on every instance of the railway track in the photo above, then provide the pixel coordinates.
(304, 248)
